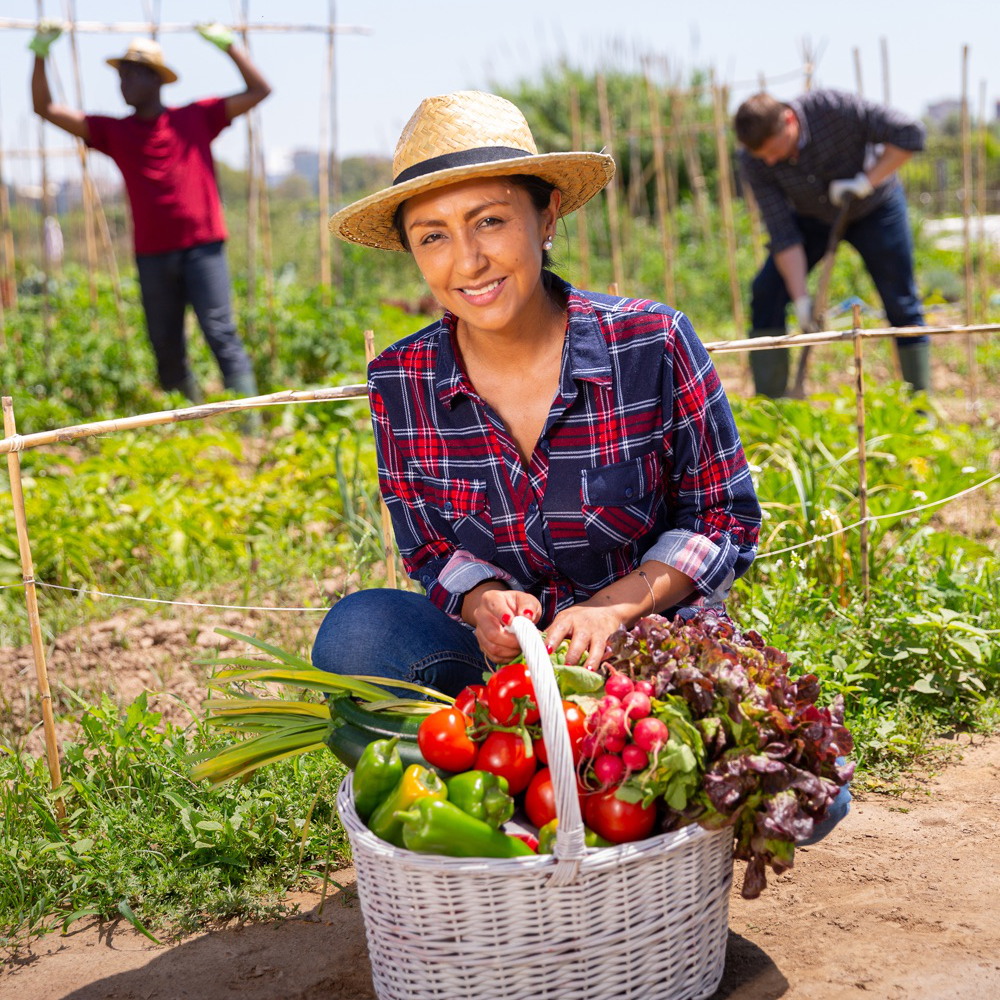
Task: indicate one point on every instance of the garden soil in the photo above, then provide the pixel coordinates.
(899, 903)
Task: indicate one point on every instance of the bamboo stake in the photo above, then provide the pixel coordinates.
(970, 352)
(692, 162)
(670, 151)
(612, 188)
(171, 27)
(88, 197)
(112, 261)
(807, 65)
(859, 393)
(8, 281)
(663, 211)
(582, 236)
(885, 70)
(726, 200)
(984, 255)
(31, 600)
(336, 251)
(388, 538)
(46, 263)
(324, 175)
(857, 72)
(266, 246)
(252, 200)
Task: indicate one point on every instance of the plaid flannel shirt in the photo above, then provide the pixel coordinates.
(839, 137)
(639, 458)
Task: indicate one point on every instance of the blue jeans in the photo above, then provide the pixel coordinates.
(169, 281)
(398, 635)
(885, 243)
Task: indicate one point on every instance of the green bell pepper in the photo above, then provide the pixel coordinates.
(547, 838)
(417, 783)
(482, 795)
(436, 826)
(377, 773)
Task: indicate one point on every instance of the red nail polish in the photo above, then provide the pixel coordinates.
(526, 612)
(505, 619)
(548, 648)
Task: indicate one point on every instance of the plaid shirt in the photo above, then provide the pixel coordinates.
(839, 135)
(639, 458)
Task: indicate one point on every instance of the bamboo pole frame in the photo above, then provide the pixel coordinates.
(984, 254)
(686, 128)
(582, 235)
(726, 201)
(31, 601)
(388, 537)
(662, 206)
(970, 351)
(8, 282)
(859, 396)
(325, 279)
(171, 27)
(336, 247)
(46, 263)
(611, 191)
(858, 84)
(253, 203)
(884, 48)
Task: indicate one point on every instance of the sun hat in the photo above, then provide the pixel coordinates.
(148, 53)
(454, 137)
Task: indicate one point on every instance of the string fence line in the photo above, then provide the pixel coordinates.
(815, 540)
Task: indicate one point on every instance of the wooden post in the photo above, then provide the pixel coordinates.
(612, 189)
(31, 599)
(112, 262)
(388, 538)
(885, 71)
(324, 172)
(86, 190)
(266, 246)
(670, 150)
(726, 200)
(970, 350)
(808, 65)
(582, 240)
(984, 254)
(252, 201)
(662, 208)
(857, 72)
(692, 161)
(8, 281)
(45, 205)
(859, 392)
(336, 247)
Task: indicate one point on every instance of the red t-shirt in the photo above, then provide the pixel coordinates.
(169, 175)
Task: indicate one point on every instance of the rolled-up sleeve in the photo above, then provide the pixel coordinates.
(714, 510)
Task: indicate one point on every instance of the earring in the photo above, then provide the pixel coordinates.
(547, 245)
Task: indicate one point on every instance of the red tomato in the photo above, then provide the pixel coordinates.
(503, 754)
(508, 683)
(540, 799)
(468, 696)
(444, 742)
(617, 821)
(576, 719)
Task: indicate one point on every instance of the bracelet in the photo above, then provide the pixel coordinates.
(649, 587)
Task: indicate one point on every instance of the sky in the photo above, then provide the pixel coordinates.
(415, 48)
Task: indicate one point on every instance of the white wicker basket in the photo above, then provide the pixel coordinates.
(646, 921)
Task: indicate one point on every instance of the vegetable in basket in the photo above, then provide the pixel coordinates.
(436, 826)
(376, 774)
(482, 795)
(417, 783)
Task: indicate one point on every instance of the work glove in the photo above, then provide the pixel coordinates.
(48, 32)
(857, 186)
(804, 314)
(217, 34)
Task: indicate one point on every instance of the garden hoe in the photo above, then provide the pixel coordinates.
(822, 291)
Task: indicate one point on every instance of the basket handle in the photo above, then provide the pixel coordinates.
(570, 847)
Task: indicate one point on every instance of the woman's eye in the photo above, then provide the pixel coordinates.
(490, 221)
(430, 238)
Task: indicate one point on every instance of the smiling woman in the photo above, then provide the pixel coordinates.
(543, 451)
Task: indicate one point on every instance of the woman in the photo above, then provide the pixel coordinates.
(543, 451)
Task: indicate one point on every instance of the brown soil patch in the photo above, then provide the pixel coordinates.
(897, 904)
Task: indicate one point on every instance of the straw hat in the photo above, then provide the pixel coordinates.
(461, 135)
(148, 53)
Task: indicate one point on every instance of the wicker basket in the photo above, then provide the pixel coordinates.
(646, 921)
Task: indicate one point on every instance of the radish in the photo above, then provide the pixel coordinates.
(635, 758)
(609, 769)
(650, 734)
(618, 685)
(645, 687)
(637, 705)
(608, 702)
(615, 744)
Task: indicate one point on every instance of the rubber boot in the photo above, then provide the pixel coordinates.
(915, 362)
(245, 384)
(769, 368)
(191, 389)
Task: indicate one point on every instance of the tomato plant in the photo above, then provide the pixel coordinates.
(504, 754)
(618, 821)
(444, 741)
(576, 719)
(503, 691)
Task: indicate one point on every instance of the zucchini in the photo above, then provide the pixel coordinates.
(383, 724)
(347, 743)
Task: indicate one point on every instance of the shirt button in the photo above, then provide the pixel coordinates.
(449, 506)
(629, 492)
(532, 507)
(812, 178)
(544, 445)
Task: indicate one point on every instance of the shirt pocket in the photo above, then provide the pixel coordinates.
(460, 509)
(621, 502)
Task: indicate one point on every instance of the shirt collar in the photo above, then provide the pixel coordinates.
(803, 123)
(586, 360)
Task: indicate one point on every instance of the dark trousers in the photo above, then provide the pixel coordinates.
(884, 240)
(169, 282)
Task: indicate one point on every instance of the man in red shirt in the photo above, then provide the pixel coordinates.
(165, 157)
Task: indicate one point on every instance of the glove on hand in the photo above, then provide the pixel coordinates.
(804, 314)
(48, 32)
(857, 186)
(217, 34)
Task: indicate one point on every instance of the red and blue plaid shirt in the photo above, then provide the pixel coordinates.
(639, 459)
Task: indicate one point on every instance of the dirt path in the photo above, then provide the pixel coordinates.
(899, 903)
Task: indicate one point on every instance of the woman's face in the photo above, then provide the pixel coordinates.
(478, 244)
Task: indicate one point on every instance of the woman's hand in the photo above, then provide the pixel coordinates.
(587, 628)
(491, 611)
